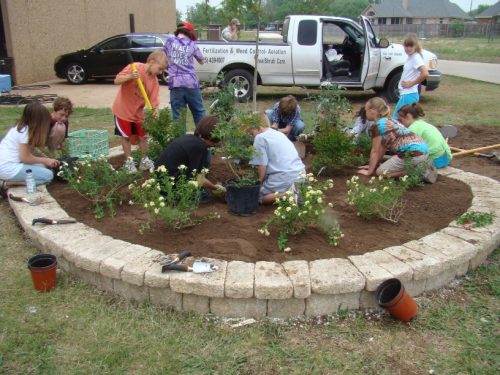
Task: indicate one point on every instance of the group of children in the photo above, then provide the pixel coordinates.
(278, 163)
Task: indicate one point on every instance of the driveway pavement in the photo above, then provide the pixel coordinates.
(92, 94)
(473, 70)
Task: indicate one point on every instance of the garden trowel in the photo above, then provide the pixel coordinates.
(197, 267)
(32, 202)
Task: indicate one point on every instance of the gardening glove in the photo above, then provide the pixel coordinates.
(220, 189)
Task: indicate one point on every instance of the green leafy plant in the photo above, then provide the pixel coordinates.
(224, 101)
(298, 209)
(414, 172)
(162, 130)
(236, 145)
(167, 198)
(475, 219)
(334, 148)
(380, 198)
(97, 181)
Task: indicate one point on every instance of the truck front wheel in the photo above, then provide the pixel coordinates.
(391, 91)
(242, 80)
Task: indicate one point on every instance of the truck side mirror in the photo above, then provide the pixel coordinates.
(383, 43)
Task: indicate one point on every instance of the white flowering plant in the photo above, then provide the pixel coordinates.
(304, 206)
(170, 199)
(98, 181)
(380, 198)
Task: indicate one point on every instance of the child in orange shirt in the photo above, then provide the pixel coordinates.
(128, 107)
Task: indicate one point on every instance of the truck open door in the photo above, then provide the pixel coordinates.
(371, 57)
(306, 55)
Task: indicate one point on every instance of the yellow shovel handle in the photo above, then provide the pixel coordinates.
(141, 88)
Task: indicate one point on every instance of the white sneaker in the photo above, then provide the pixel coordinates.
(130, 166)
(146, 164)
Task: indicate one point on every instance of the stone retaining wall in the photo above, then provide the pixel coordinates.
(289, 289)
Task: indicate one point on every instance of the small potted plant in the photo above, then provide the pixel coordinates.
(236, 150)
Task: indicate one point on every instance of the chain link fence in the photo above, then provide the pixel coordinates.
(451, 30)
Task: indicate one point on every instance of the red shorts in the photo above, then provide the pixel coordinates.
(128, 128)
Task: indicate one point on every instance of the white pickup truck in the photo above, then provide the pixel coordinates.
(299, 58)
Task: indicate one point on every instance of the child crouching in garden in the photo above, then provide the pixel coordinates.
(389, 135)
(17, 149)
(277, 160)
(439, 151)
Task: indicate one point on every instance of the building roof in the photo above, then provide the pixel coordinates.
(419, 9)
(492, 11)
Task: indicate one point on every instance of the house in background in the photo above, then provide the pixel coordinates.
(34, 33)
(490, 15)
(397, 12)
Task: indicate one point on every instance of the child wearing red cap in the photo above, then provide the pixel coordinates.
(182, 79)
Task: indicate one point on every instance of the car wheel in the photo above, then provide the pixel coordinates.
(243, 83)
(392, 91)
(76, 73)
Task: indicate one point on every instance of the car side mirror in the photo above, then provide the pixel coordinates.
(383, 43)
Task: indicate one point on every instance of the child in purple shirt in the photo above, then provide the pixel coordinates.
(182, 79)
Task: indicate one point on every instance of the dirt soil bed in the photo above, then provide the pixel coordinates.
(428, 209)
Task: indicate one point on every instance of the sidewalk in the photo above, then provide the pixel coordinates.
(92, 94)
(473, 70)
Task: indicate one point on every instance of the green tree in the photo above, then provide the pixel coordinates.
(178, 16)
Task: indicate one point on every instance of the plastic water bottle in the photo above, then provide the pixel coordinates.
(30, 182)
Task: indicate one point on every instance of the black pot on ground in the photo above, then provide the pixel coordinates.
(242, 199)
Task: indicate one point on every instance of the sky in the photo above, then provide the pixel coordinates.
(182, 5)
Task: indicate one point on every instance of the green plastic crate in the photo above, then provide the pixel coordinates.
(88, 143)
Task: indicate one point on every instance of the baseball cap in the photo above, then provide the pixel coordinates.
(235, 21)
(189, 27)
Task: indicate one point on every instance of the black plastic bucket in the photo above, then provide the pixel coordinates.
(242, 200)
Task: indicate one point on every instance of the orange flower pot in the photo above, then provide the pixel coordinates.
(391, 295)
(43, 271)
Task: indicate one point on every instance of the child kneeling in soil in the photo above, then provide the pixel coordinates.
(17, 149)
(128, 107)
(439, 151)
(192, 150)
(59, 123)
(277, 160)
(389, 135)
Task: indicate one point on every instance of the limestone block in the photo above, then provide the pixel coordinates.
(83, 244)
(202, 284)
(335, 276)
(373, 273)
(423, 266)
(133, 272)
(391, 264)
(454, 247)
(449, 171)
(99, 281)
(439, 280)
(192, 302)
(324, 304)
(239, 280)
(91, 258)
(166, 297)
(26, 213)
(64, 264)
(239, 307)
(271, 281)
(368, 300)
(462, 269)
(473, 179)
(112, 266)
(415, 287)
(298, 272)
(131, 292)
(154, 278)
(445, 261)
(286, 308)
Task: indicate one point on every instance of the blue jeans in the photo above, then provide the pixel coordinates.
(181, 97)
(41, 174)
(297, 127)
(414, 97)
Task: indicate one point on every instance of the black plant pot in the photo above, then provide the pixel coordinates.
(242, 200)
